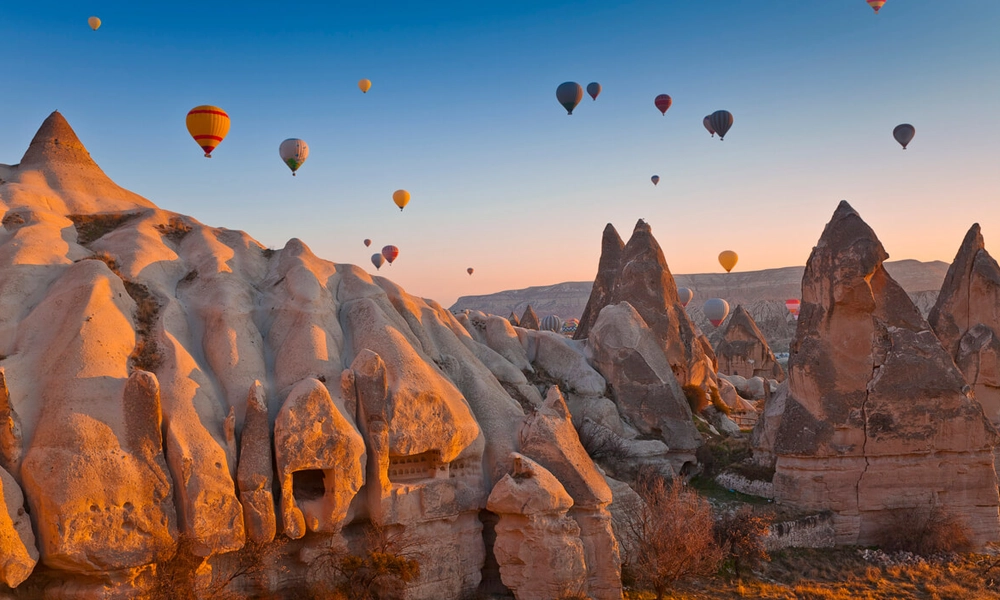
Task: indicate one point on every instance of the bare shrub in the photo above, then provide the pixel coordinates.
(174, 229)
(146, 355)
(924, 531)
(185, 578)
(719, 404)
(741, 535)
(388, 563)
(669, 536)
(90, 228)
(601, 443)
(696, 397)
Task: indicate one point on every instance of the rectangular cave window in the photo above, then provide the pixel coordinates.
(308, 485)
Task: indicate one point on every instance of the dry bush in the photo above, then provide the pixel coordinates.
(387, 564)
(182, 578)
(90, 228)
(741, 535)
(603, 444)
(108, 260)
(696, 397)
(719, 404)
(668, 536)
(924, 531)
(146, 355)
(174, 229)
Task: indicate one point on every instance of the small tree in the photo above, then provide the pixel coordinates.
(924, 531)
(669, 536)
(381, 571)
(741, 535)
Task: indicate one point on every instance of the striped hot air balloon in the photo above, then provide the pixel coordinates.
(551, 323)
(569, 326)
(876, 4)
(707, 122)
(390, 253)
(721, 121)
(663, 102)
(793, 304)
(569, 95)
(208, 125)
(716, 309)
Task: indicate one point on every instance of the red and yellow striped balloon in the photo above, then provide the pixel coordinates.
(876, 4)
(208, 125)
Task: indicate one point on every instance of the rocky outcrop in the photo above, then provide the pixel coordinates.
(744, 351)
(877, 416)
(966, 318)
(18, 554)
(256, 475)
(529, 320)
(608, 268)
(548, 437)
(11, 444)
(537, 545)
(643, 279)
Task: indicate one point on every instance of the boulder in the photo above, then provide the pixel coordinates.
(11, 444)
(743, 350)
(563, 360)
(18, 554)
(256, 473)
(877, 416)
(537, 545)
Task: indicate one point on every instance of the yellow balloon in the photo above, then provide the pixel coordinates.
(94, 23)
(365, 85)
(401, 198)
(208, 125)
(728, 260)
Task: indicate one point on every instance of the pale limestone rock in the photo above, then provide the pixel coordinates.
(11, 444)
(537, 546)
(501, 337)
(18, 554)
(320, 458)
(562, 359)
(256, 474)
(728, 393)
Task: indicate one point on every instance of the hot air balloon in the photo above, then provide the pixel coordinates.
(594, 89)
(904, 134)
(663, 102)
(390, 253)
(368, 243)
(876, 4)
(208, 125)
(378, 260)
(569, 326)
(364, 85)
(685, 295)
(569, 95)
(792, 304)
(721, 121)
(716, 310)
(470, 270)
(94, 23)
(728, 258)
(401, 198)
(551, 323)
(293, 152)
(655, 179)
(707, 122)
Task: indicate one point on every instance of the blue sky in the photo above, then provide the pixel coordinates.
(462, 113)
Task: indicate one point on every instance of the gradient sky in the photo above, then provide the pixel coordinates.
(462, 113)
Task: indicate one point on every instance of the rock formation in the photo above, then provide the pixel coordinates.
(538, 546)
(608, 269)
(876, 417)
(744, 351)
(159, 378)
(529, 320)
(966, 318)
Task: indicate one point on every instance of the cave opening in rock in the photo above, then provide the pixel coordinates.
(308, 485)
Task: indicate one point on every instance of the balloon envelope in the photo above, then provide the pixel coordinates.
(390, 253)
(364, 85)
(793, 304)
(293, 152)
(378, 260)
(594, 89)
(401, 198)
(655, 179)
(208, 125)
(716, 309)
(728, 258)
(904, 134)
(663, 102)
(470, 270)
(685, 295)
(551, 323)
(876, 4)
(721, 121)
(569, 95)
(368, 243)
(94, 23)
(707, 122)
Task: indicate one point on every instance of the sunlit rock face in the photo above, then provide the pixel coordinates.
(167, 385)
(876, 416)
(743, 350)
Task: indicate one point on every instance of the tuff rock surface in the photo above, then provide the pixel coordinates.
(743, 350)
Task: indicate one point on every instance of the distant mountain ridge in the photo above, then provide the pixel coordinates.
(762, 293)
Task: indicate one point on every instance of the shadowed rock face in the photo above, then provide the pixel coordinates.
(966, 318)
(743, 350)
(529, 320)
(643, 279)
(129, 338)
(877, 417)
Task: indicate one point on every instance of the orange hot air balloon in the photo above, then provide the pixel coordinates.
(793, 305)
(368, 243)
(390, 253)
(876, 4)
(728, 260)
(208, 125)
(401, 198)
(470, 270)
(364, 85)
